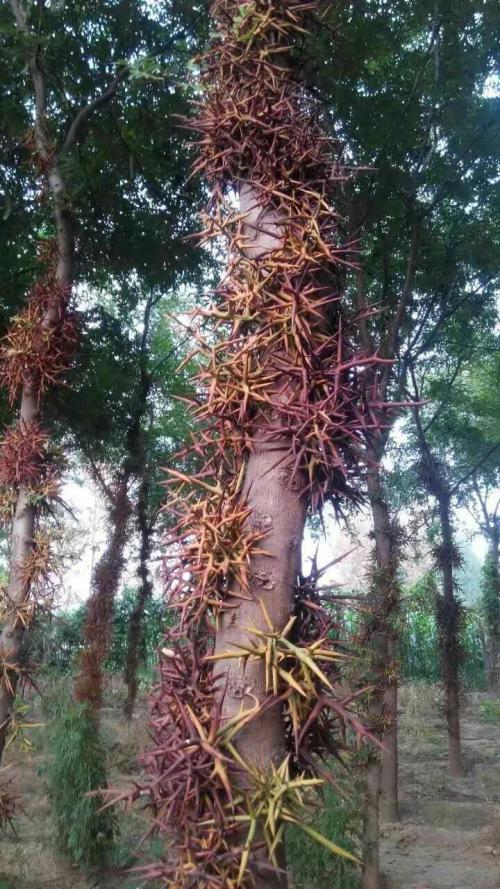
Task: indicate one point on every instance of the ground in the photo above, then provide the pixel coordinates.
(449, 833)
(448, 836)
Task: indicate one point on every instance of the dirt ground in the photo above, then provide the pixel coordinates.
(449, 833)
(448, 836)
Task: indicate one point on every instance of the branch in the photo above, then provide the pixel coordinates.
(482, 503)
(19, 13)
(99, 478)
(170, 354)
(402, 306)
(476, 467)
(444, 403)
(39, 81)
(86, 111)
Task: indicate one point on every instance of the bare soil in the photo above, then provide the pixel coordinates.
(448, 836)
(449, 833)
(28, 854)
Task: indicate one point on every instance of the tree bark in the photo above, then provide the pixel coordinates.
(449, 640)
(278, 509)
(493, 615)
(389, 802)
(25, 514)
(99, 614)
(144, 593)
(380, 773)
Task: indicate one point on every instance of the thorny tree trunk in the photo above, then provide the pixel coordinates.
(108, 572)
(382, 605)
(281, 512)
(23, 525)
(99, 615)
(136, 449)
(386, 775)
(278, 509)
(492, 659)
(135, 627)
(389, 802)
(435, 479)
(449, 631)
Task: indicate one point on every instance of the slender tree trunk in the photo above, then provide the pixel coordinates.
(135, 626)
(371, 826)
(25, 515)
(493, 616)
(449, 627)
(389, 809)
(99, 616)
(380, 773)
(436, 481)
(48, 158)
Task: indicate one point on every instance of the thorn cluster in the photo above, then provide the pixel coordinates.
(36, 352)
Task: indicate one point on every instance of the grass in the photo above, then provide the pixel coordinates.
(85, 834)
(314, 866)
(490, 710)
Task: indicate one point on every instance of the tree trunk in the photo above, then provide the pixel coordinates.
(281, 511)
(278, 509)
(378, 633)
(24, 521)
(389, 810)
(99, 616)
(135, 626)
(277, 382)
(47, 160)
(493, 610)
(371, 826)
(449, 636)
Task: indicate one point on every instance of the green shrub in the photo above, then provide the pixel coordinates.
(78, 766)
(311, 864)
(490, 709)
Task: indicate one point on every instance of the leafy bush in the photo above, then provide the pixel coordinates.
(57, 641)
(313, 865)
(490, 709)
(418, 644)
(78, 766)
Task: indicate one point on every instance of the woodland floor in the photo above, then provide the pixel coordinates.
(449, 833)
(448, 836)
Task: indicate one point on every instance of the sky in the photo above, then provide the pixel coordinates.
(88, 531)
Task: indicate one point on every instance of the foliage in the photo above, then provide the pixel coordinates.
(418, 639)
(77, 766)
(310, 863)
(490, 592)
(55, 641)
(490, 709)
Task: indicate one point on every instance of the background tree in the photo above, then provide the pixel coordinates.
(393, 83)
